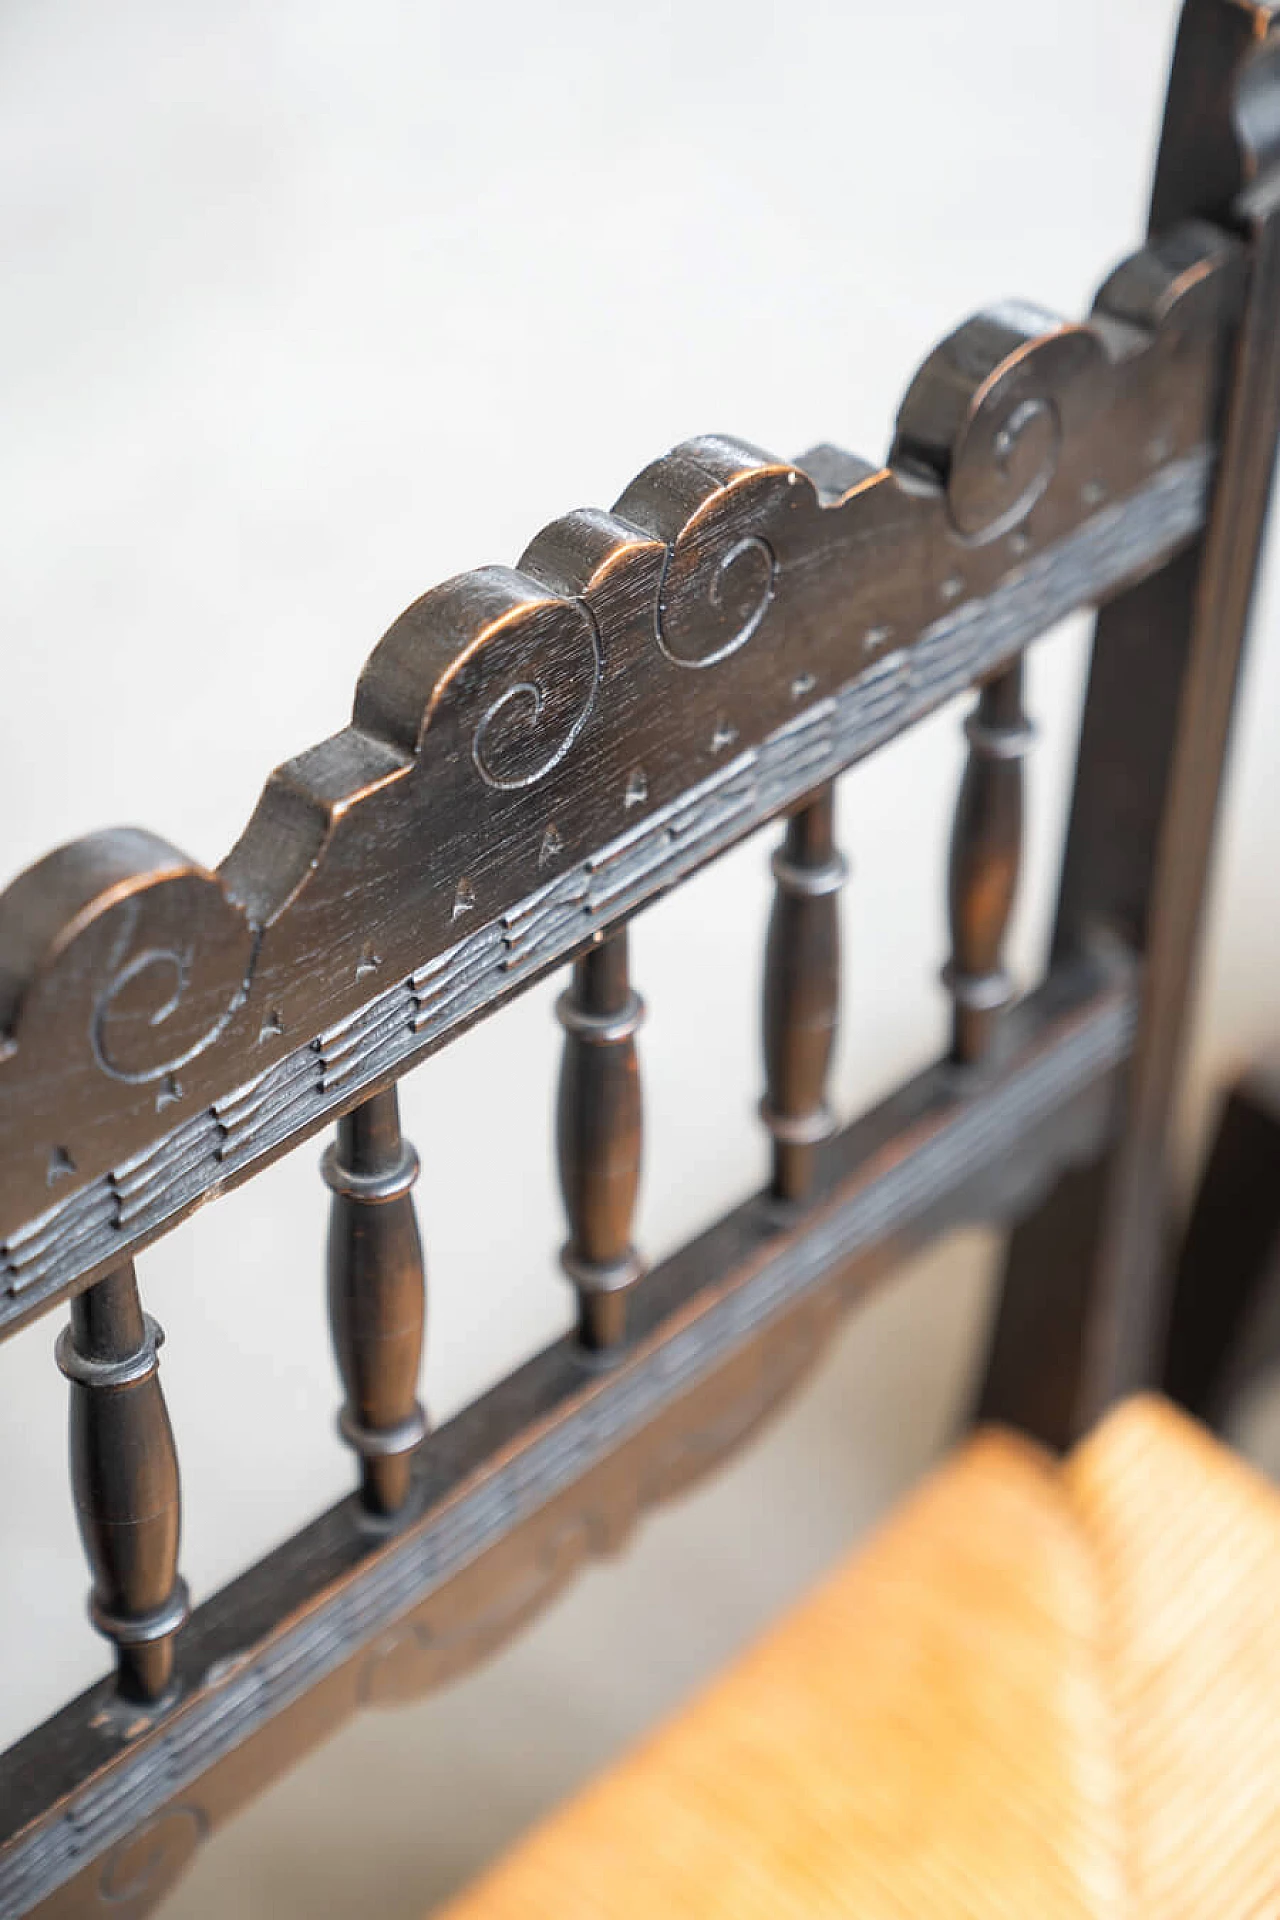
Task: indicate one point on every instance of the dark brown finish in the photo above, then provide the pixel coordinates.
(802, 993)
(1083, 1313)
(559, 1460)
(533, 756)
(124, 1479)
(598, 1137)
(1225, 1327)
(377, 1295)
(1128, 1311)
(986, 851)
(569, 739)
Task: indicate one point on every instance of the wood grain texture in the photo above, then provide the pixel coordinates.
(986, 853)
(554, 1464)
(1128, 1314)
(220, 1145)
(1086, 1292)
(598, 1137)
(566, 740)
(533, 755)
(377, 1295)
(124, 1480)
(802, 993)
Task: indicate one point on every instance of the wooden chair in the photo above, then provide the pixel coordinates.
(1047, 1689)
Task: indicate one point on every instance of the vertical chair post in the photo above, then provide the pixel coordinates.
(599, 1137)
(1226, 1314)
(986, 851)
(1084, 1305)
(802, 993)
(124, 1479)
(377, 1296)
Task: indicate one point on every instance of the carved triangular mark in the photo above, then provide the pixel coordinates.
(464, 899)
(637, 788)
(724, 736)
(369, 961)
(271, 1026)
(61, 1165)
(169, 1092)
(552, 844)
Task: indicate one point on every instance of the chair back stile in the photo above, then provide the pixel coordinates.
(1163, 676)
(535, 754)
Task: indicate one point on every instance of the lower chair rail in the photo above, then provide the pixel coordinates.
(104, 1805)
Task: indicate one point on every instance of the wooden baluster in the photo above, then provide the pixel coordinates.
(598, 1134)
(802, 993)
(124, 1479)
(377, 1296)
(986, 850)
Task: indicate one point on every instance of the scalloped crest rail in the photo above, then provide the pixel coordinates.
(533, 755)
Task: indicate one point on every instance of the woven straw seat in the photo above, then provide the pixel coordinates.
(1043, 1691)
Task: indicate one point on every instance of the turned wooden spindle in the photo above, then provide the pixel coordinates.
(377, 1296)
(802, 993)
(598, 1136)
(986, 849)
(124, 1479)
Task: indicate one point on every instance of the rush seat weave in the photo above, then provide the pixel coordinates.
(1041, 1692)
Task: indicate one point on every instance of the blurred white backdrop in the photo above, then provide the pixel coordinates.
(309, 306)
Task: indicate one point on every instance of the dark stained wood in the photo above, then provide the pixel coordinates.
(1219, 121)
(1128, 1313)
(377, 1295)
(802, 993)
(986, 852)
(124, 1479)
(1225, 1326)
(556, 1463)
(1165, 665)
(534, 755)
(568, 739)
(599, 1137)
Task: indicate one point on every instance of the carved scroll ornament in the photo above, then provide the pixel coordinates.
(532, 750)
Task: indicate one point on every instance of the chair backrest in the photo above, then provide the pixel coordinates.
(534, 755)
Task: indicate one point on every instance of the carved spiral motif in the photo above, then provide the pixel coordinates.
(423, 1653)
(142, 1868)
(529, 727)
(1007, 458)
(138, 1031)
(711, 599)
(167, 998)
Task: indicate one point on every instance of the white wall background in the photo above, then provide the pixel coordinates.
(310, 305)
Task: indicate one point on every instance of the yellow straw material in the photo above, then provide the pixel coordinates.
(1039, 1693)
